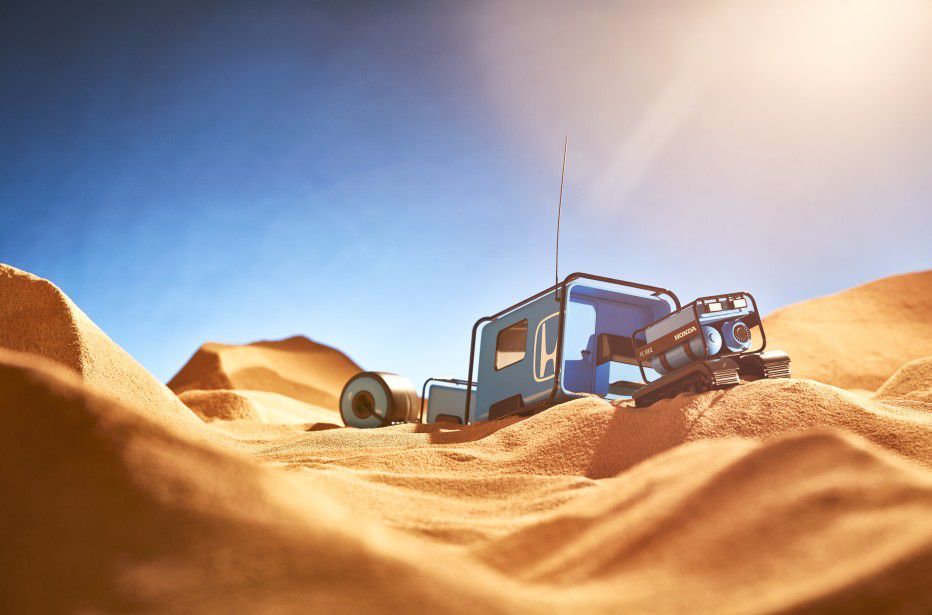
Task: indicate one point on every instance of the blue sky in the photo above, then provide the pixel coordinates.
(377, 176)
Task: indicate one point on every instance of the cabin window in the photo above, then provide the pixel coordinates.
(511, 345)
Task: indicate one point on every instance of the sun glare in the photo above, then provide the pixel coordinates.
(835, 46)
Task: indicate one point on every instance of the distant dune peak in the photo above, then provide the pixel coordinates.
(296, 367)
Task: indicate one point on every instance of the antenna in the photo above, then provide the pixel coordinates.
(556, 266)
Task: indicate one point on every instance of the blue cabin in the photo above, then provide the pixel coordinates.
(572, 339)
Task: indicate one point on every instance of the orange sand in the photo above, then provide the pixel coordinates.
(38, 318)
(913, 381)
(775, 496)
(857, 338)
(257, 406)
(295, 367)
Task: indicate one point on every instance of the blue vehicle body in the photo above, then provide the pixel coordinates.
(556, 356)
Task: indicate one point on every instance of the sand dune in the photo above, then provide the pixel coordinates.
(591, 437)
(663, 525)
(138, 516)
(857, 338)
(257, 406)
(775, 496)
(913, 381)
(418, 477)
(295, 367)
(113, 511)
(38, 318)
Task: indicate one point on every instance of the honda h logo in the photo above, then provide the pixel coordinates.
(545, 348)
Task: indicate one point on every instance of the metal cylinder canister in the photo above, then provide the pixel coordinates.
(686, 353)
(378, 399)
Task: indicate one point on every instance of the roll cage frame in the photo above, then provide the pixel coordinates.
(560, 290)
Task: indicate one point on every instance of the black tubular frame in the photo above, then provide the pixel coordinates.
(561, 298)
(705, 346)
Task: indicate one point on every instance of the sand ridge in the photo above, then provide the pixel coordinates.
(913, 381)
(138, 515)
(594, 438)
(36, 317)
(296, 367)
(257, 406)
(776, 496)
(857, 338)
